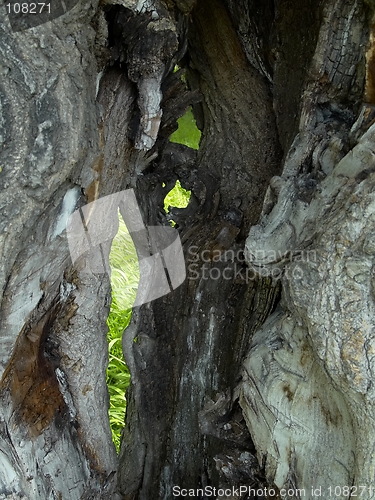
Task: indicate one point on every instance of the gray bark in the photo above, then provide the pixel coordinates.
(262, 379)
(55, 439)
(314, 235)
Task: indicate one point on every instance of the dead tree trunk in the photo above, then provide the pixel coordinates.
(257, 370)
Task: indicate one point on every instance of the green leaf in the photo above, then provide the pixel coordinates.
(187, 133)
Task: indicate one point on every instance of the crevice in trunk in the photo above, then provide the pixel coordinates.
(282, 94)
(124, 284)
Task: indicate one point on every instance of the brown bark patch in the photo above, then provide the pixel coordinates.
(31, 379)
(370, 69)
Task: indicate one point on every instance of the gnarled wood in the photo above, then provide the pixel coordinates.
(283, 95)
(317, 220)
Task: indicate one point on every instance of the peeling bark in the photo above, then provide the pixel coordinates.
(262, 379)
(316, 221)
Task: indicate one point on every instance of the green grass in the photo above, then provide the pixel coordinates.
(124, 280)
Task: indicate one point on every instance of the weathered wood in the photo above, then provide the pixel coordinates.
(55, 440)
(283, 94)
(307, 386)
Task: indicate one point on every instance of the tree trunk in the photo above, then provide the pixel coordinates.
(257, 369)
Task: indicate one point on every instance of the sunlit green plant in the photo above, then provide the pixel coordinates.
(177, 197)
(187, 133)
(124, 280)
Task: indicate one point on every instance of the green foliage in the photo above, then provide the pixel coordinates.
(187, 132)
(124, 280)
(177, 197)
(124, 268)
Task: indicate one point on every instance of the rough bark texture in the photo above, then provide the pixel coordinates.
(55, 437)
(255, 374)
(314, 235)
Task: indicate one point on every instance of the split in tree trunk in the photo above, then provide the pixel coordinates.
(257, 369)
